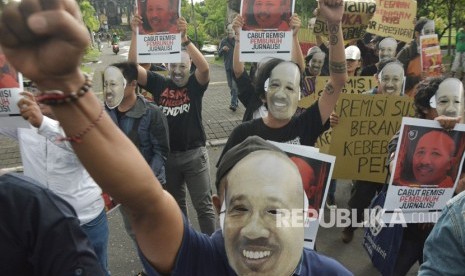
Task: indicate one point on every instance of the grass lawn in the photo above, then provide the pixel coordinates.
(92, 55)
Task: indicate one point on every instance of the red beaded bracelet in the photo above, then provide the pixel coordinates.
(56, 97)
(78, 137)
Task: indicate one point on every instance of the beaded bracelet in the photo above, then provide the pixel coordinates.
(56, 97)
(78, 137)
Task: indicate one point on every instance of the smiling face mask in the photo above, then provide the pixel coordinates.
(448, 100)
(283, 90)
(391, 79)
(113, 86)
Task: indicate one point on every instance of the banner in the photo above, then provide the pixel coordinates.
(266, 32)
(316, 170)
(431, 57)
(366, 124)
(357, 14)
(394, 18)
(158, 38)
(11, 84)
(428, 162)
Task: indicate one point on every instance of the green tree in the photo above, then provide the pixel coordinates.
(448, 16)
(89, 16)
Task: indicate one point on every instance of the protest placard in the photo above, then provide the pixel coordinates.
(315, 169)
(431, 57)
(266, 32)
(354, 85)
(11, 84)
(357, 14)
(366, 124)
(158, 37)
(394, 18)
(427, 165)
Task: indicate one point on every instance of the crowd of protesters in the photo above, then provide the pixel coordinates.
(147, 153)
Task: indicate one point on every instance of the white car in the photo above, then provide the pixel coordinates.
(209, 49)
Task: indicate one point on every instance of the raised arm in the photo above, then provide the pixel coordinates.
(297, 55)
(238, 67)
(202, 71)
(332, 11)
(55, 30)
(132, 55)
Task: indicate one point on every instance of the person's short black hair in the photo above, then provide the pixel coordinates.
(129, 70)
(424, 91)
(421, 22)
(264, 73)
(385, 62)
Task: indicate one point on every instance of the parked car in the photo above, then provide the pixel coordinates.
(208, 48)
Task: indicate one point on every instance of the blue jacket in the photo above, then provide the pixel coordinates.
(151, 136)
(444, 252)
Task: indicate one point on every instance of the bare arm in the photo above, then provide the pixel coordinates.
(56, 30)
(202, 71)
(132, 55)
(297, 55)
(238, 67)
(332, 10)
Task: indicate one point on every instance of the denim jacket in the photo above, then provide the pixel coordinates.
(152, 136)
(444, 252)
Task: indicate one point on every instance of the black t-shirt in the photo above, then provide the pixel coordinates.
(247, 96)
(303, 130)
(40, 233)
(183, 109)
(369, 70)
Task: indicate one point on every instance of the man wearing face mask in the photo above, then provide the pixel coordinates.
(425, 103)
(278, 85)
(143, 122)
(226, 50)
(180, 97)
(254, 105)
(386, 48)
(390, 79)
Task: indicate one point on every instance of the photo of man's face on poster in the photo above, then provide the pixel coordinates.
(428, 158)
(158, 16)
(267, 14)
(314, 174)
(8, 75)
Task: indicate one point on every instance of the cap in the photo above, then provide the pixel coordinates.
(353, 52)
(238, 152)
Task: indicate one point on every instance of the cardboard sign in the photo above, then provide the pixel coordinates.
(357, 14)
(354, 85)
(394, 18)
(366, 124)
